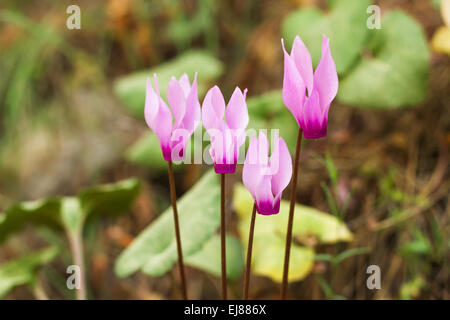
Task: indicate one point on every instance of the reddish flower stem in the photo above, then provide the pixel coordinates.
(249, 254)
(284, 284)
(173, 197)
(222, 236)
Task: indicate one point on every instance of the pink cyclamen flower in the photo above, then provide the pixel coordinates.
(174, 131)
(310, 111)
(227, 135)
(267, 178)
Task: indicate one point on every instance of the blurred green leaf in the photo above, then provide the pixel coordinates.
(154, 250)
(108, 199)
(345, 25)
(270, 233)
(23, 270)
(131, 88)
(411, 289)
(267, 104)
(397, 75)
(208, 258)
(147, 152)
(70, 213)
(39, 212)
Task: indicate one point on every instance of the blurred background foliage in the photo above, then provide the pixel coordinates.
(79, 166)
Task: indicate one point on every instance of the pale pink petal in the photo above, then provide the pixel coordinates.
(281, 159)
(163, 128)
(294, 90)
(177, 100)
(236, 114)
(193, 112)
(151, 105)
(213, 108)
(184, 83)
(263, 149)
(325, 77)
(302, 59)
(251, 173)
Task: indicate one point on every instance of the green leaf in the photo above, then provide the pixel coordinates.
(39, 212)
(270, 232)
(266, 104)
(397, 75)
(109, 199)
(131, 88)
(154, 250)
(70, 213)
(208, 258)
(147, 152)
(23, 270)
(345, 25)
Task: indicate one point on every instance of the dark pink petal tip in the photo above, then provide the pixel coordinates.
(225, 168)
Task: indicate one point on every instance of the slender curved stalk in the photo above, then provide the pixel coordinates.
(173, 198)
(222, 236)
(76, 246)
(284, 284)
(38, 290)
(249, 254)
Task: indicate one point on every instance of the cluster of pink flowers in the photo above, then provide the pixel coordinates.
(306, 94)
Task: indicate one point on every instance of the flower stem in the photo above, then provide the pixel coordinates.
(222, 236)
(173, 197)
(76, 246)
(249, 254)
(284, 284)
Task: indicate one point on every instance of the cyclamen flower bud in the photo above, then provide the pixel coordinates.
(227, 135)
(173, 132)
(310, 111)
(267, 178)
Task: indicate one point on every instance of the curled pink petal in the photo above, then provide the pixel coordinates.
(294, 90)
(192, 115)
(303, 62)
(283, 174)
(184, 83)
(177, 100)
(251, 173)
(325, 77)
(236, 114)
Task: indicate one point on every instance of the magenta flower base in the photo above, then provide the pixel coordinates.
(225, 168)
